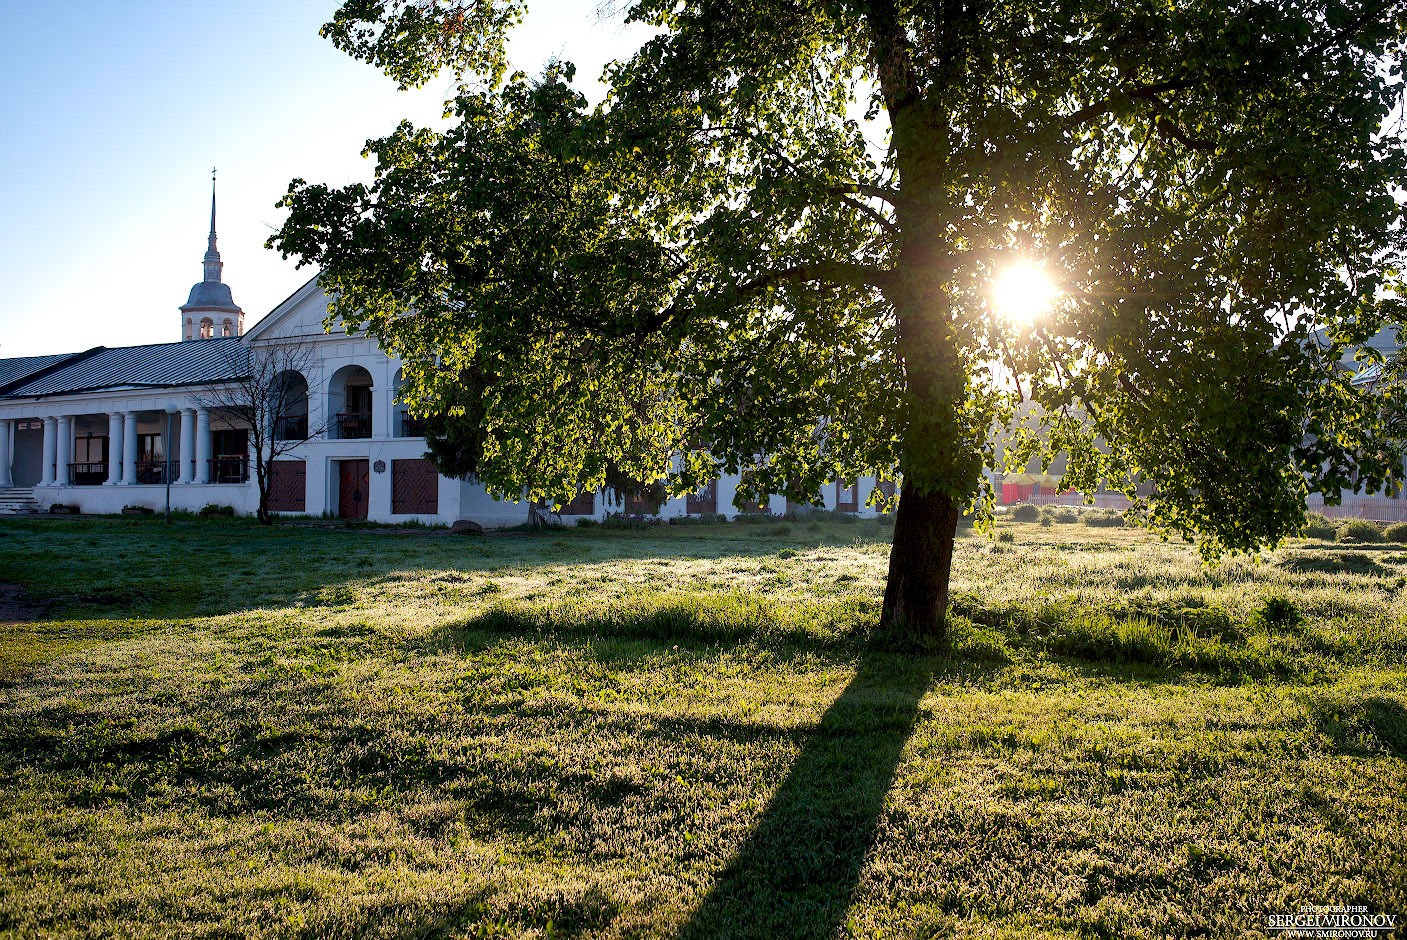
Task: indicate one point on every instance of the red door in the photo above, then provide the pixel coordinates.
(354, 480)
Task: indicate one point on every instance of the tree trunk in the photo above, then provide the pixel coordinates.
(920, 563)
(261, 479)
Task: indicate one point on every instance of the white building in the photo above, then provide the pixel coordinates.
(110, 428)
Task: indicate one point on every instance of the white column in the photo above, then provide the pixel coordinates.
(114, 448)
(63, 450)
(203, 446)
(129, 448)
(187, 446)
(46, 473)
(5, 452)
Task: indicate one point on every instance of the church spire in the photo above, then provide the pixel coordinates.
(213, 264)
(211, 312)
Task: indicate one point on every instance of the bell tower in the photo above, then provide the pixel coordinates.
(210, 312)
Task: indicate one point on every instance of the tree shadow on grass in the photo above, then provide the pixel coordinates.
(796, 873)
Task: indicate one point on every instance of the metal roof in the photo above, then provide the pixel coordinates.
(162, 365)
(211, 295)
(15, 372)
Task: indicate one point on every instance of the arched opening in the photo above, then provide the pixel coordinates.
(349, 400)
(290, 406)
(207, 328)
(190, 328)
(227, 328)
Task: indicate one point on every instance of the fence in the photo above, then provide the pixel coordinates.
(1376, 508)
(1101, 500)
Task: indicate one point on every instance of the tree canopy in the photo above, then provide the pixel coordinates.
(777, 237)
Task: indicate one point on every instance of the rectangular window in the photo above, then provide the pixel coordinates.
(149, 448)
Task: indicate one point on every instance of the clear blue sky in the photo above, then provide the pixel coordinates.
(113, 114)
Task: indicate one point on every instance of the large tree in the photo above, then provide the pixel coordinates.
(778, 236)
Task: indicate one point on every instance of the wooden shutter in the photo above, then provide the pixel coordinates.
(703, 501)
(415, 487)
(583, 505)
(288, 486)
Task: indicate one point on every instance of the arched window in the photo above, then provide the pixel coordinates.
(207, 328)
(190, 329)
(228, 327)
(291, 403)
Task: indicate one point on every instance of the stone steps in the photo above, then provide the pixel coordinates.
(17, 501)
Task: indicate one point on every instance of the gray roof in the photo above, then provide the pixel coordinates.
(15, 372)
(163, 365)
(211, 294)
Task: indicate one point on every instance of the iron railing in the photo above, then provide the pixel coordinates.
(231, 468)
(291, 428)
(87, 473)
(152, 471)
(353, 426)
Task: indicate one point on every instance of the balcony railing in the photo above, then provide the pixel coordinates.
(232, 468)
(353, 426)
(291, 428)
(89, 473)
(152, 471)
(412, 426)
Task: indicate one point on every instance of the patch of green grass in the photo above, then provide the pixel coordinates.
(689, 731)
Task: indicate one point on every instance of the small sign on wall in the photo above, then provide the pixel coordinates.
(379, 466)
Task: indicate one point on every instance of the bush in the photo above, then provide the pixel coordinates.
(1006, 537)
(1104, 518)
(1061, 514)
(754, 518)
(586, 522)
(1359, 530)
(625, 520)
(1397, 532)
(1045, 521)
(706, 518)
(210, 510)
(1025, 512)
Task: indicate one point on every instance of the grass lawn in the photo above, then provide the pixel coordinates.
(216, 729)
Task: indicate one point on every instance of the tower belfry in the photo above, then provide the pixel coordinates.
(211, 312)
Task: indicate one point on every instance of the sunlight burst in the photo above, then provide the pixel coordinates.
(1022, 292)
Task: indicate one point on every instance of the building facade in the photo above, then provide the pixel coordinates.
(106, 429)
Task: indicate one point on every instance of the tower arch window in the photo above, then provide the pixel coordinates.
(227, 328)
(207, 328)
(190, 328)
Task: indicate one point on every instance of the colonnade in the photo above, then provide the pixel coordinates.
(192, 457)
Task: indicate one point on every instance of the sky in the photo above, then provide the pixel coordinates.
(113, 114)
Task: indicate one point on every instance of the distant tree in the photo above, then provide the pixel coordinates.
(786, 229)
(270, 399)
